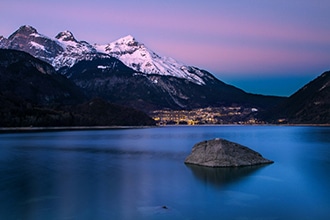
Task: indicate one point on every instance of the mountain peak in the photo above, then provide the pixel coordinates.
(128, 40)
(128, 37)
(140, 58)
(25, 30)
(66, 36)
(122, 46)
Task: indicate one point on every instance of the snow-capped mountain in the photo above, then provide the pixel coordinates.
(65, 51)
(140, 58)
(27, 39)
(62, 51)
(73, 50)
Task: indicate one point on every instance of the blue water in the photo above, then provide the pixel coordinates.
(140, 174)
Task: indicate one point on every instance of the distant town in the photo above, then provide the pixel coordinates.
(210, 115)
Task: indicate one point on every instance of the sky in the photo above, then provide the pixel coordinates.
(265, 47)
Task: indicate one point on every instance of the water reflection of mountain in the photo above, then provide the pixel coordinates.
(222, 176)
(317, 134)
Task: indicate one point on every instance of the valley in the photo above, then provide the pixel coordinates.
(210, 115)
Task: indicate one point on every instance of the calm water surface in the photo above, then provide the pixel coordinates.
(140, 174)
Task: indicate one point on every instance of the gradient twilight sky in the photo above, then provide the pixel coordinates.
(267, 47)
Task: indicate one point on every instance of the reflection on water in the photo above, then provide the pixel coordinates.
(318, 134)
(95, 150)
(135, 173)
(220, 177)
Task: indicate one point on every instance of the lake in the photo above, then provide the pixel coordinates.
(140, 174)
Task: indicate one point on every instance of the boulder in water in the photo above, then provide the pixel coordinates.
(222, 153)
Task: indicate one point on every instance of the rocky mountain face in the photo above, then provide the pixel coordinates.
(113, 81)
(309, 105)
(127, 72)
(27, 39)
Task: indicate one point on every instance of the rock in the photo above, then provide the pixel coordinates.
(222, 153)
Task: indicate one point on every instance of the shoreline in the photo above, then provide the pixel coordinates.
(70, 128)
(82, 128)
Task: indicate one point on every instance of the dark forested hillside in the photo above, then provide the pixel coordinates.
(309, 105)
(33, 94)
(34, 80)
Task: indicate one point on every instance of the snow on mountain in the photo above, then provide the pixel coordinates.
(140, 58)
(73, 50)
(66, 36)
(65, 50)
(37, 46)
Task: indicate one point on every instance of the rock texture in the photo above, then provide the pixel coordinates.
(222, 153)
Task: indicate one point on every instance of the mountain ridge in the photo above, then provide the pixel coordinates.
(158, 82)
(65, 51)
(308, 105)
